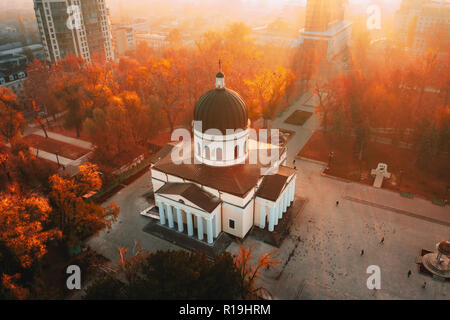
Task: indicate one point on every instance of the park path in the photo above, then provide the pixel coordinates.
(394, 202)
(50, 157)
(59, 137)
(302, 133)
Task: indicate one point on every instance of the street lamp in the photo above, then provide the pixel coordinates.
(330, 157)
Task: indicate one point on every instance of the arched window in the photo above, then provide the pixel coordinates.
(236, 152)
(207, 155)
(219, 154)
(245, 146)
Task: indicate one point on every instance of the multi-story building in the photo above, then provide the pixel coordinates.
(325, 29)
(123, 40)
(79, 27)
(424, 24)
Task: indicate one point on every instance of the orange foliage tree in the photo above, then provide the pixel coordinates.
(73, 215)
(22, 222)
(251, 273)
(11, 120)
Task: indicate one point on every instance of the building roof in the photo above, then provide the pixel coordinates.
(272, 185)
(237, 180)
(162, 153)
(193, 193)
(221, 109)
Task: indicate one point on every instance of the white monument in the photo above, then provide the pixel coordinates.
(380, 173)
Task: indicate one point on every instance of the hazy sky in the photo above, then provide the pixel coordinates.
(390, 3)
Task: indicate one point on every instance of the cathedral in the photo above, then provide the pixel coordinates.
(218, 189)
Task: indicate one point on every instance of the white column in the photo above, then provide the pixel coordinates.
(285, 200)
(262, 216)
(216, 225)
(200, 227)
(271, 218)
(277, 213)
(189, 224)
(180, 220)
(162, 218)
(209, 230)
(169, 215)
(293, 190)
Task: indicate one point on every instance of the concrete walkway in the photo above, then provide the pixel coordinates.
(59, 137)
(50, 157)
(321, 259)
(302, 133)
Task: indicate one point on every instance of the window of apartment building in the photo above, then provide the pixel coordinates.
(231, 224)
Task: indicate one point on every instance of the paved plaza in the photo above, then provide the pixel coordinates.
(321, 259)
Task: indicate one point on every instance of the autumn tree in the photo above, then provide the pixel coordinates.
(266, 91)
(73, 215)
(169, 275)
(22, 226)
(70, 94)
(41, 77)
(250, 273)
(11, 120)
(168, 82)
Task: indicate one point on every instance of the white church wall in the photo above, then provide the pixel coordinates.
(247, 218)
(242, 217)
(158, 175)
(156, 184)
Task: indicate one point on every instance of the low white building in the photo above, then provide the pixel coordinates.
(218, 187)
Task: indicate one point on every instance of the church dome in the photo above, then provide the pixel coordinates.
(221, 109)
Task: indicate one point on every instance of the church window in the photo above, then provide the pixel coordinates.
(219, 154)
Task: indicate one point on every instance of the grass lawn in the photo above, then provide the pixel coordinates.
(53, 146)
(430, 182)
(298, 117)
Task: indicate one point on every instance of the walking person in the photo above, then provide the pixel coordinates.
(337, 203)
(362, 252)
(409, 273)
(382, 241)
(424, 285)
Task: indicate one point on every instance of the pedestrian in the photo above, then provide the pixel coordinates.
(295, 168)
(382, 240)
(362, 252)
(409, 273)
(424, 285)
(337, 203)
(293, 162)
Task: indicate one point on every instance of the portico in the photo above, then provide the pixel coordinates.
(272, 204)
(178, 213)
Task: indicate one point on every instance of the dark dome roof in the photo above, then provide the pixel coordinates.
(221, 109)
(220, 75)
